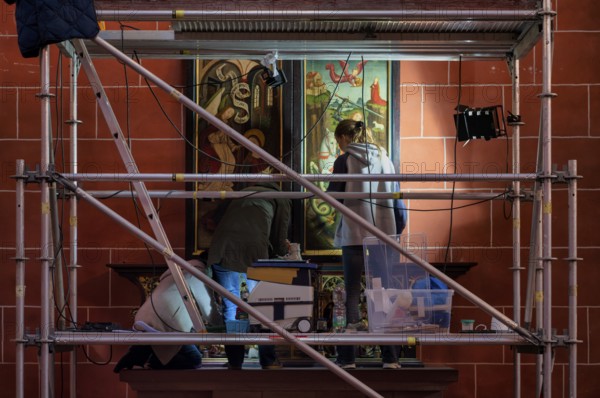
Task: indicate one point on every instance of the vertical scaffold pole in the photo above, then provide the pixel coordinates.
(572, 259)
(73, 122)
(516, 218)
(546, 98)
(45, 244)
(20, 280)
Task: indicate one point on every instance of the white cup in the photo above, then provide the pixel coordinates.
(467, 325)
(498, 326)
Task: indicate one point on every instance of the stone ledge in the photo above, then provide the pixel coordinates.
(253, 382)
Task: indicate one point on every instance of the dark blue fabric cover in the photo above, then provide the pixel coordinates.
(43, 22)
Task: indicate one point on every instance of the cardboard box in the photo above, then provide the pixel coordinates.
(288, 272)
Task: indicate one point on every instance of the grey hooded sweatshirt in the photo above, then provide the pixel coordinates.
(364, 159)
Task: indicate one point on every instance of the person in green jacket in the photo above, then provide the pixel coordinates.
(250, 229)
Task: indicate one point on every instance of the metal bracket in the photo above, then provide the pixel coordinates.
(543, 12)
(567, 174)
(514, 120)
(561, 340)
(67, 48)
(30, 176)
(526, 195)
(27, 340)
(65, 194)
(31, 340)
(560, 175)
(541, 177)
(563, 176)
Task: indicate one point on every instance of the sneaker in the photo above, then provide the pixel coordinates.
(391, 365)
(346, 366)
(136, 356)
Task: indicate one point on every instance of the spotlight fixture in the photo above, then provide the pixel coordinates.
(473, 123)
(272, 75)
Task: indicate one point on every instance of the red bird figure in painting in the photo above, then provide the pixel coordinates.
(346, 76)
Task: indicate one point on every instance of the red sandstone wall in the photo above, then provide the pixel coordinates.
(429, 91)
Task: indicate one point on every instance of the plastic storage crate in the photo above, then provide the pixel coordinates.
(398, 291)
(404, 310)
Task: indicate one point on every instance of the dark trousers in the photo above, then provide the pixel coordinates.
(354, 266)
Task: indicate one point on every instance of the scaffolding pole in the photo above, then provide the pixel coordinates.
(177, 338)
(185, 177)
(546, 97)
(73, 122)
(516, 219)
(271, 13)
(20, 260)
(302, 195)
(45, 243)
(572, 259)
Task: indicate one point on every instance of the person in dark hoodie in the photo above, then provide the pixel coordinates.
(362, 156)
(251, 229)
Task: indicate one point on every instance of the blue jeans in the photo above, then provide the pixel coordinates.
(354, 265)
(230, 280)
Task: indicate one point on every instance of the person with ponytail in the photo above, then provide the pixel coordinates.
(362, 156)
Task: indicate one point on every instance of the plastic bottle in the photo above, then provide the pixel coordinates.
(339, 309)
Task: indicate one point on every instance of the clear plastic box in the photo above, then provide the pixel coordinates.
(398, 294)
(408, 310)
(393, 269)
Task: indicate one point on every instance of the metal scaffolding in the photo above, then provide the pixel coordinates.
(539, 275)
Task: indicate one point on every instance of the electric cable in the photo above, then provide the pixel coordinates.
(86, 354)
(455, 164)
(112, 195)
